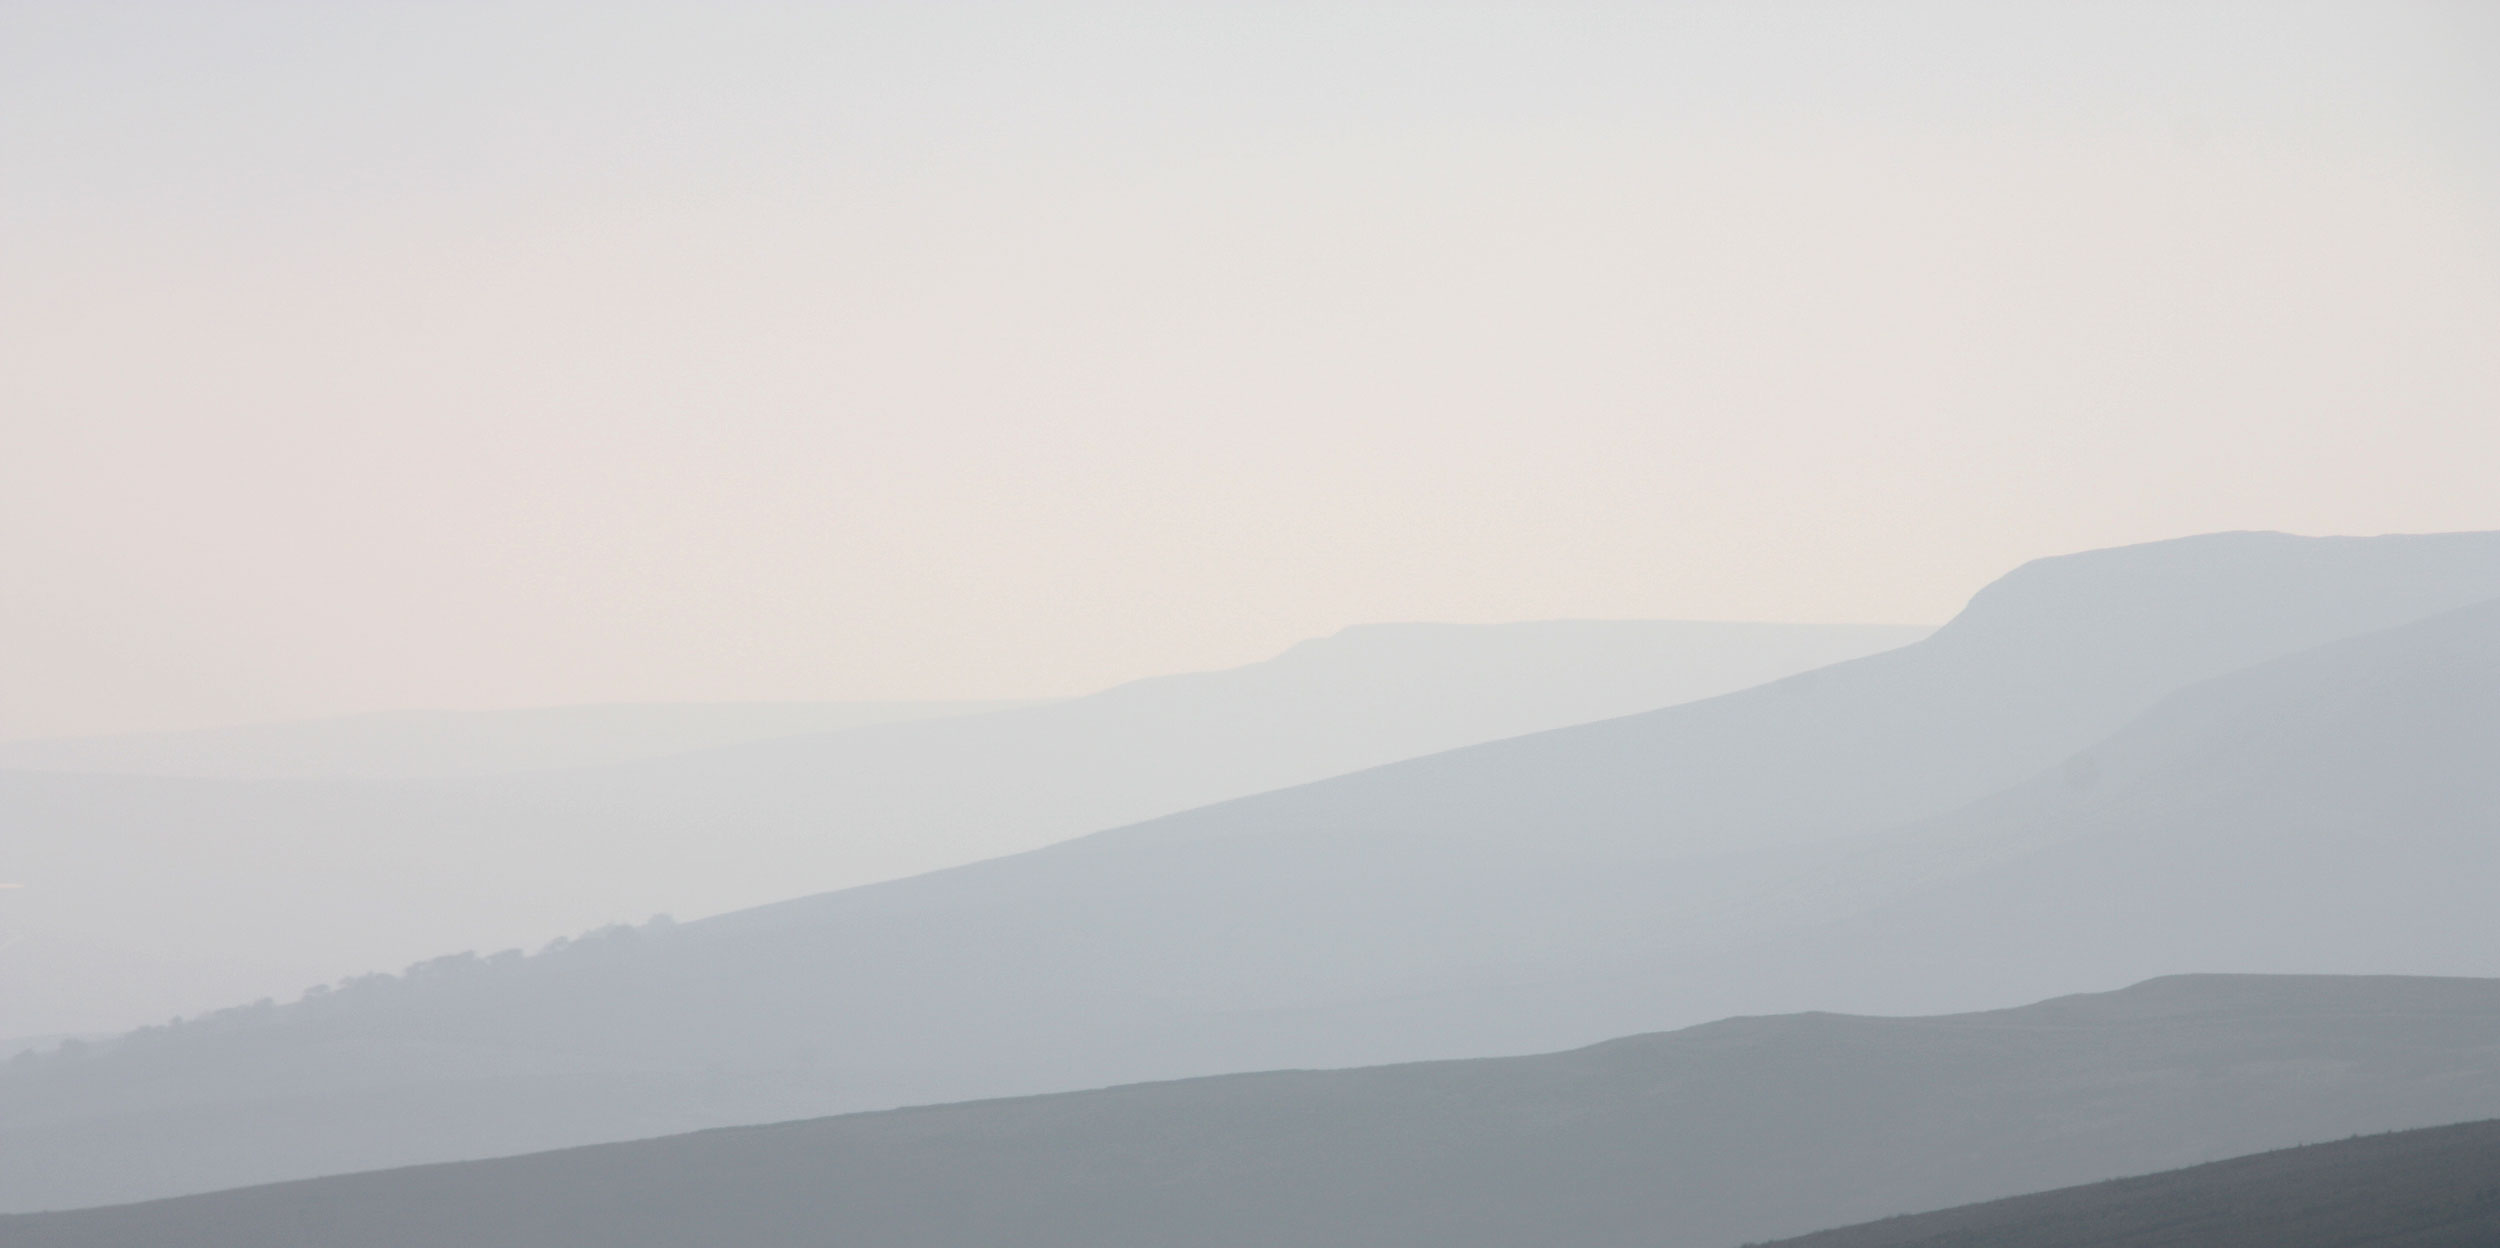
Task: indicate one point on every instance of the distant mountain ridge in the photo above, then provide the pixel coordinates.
(1701, 1138)
(1387, 916)
(152, 896)
(2333, 811)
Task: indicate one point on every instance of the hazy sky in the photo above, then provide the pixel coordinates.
(371, 355)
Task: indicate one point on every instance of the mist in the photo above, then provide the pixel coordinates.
(361, 359)
(1098, 624)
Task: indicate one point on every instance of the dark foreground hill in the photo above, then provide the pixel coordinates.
(2437, 1187)
(1702, 1138)
(2333, 809)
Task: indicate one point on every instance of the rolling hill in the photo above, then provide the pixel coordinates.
(1415, 911)
(150, 896)
(2432, 1187)
(2334, 811)
(1699, 1138)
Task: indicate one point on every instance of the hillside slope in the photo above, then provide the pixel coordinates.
(2335, 811)
(147, 897)
(1316, 927)
(2433, 1187)
(1701, 1138)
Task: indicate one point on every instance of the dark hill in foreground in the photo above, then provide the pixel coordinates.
(2438, 1187)
(1701, 1138)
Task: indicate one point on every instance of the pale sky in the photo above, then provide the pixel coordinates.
(357, 356)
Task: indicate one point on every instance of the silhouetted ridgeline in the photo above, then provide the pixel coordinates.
(154, 895)
(2438, 1187)
(2325, 802)
(2316, 811)
(1742, 1129)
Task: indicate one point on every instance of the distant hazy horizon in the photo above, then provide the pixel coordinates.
(358, 357)
(1077, 622)
(780, 716)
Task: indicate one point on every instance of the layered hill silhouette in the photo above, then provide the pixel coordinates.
(1532, 894)
(1701, 1138)
(2334, 811)
(150, 896)
(2432, 1187)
